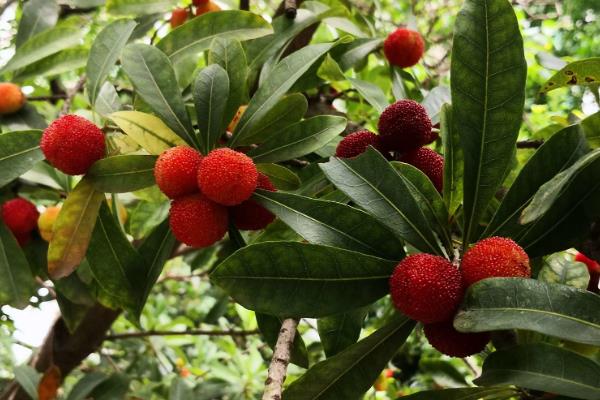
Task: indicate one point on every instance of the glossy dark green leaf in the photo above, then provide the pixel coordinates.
(333, 224)
(372, 183)
(270, 326)
(71, 313)
(37, 16)
(469, 393)
(350, 373)
(291, 279)
(121, 174)
(283, 178)
(562, 268)
(488, 92)
(357, 51)
(86, 385)
(582, 72)
(371, 93)
(16, 280)
(515, 303)
(56, 64)
(453, 161)
(105, 52)
(153, 78)
(115, 387)
(211, 91)
(19, 151)
(340, 331)
(288, 111)
(278, 82)
(299, 139)
(543, 367)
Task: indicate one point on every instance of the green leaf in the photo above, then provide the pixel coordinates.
(562, 268)
(329, 70)
(591, 129)
(435, 100)
(277, 83)
(543, 367)
(56, 64)
(290, 279)
(453, 161)
(340, 331)
(27, 118)
(28, 378)
(333, 224)
(108, 101)
(372, 93)
(469, 393)
(357, 51)
(147, 130)
(138, 7)
(211, 91)
(515, 303)
(270, 326)
(73, 229)
(583, 72)
(488, 91)
(372, 183)
(43, 45)
(180, 390)
(105, 52)
(115, 387)
(16, 280)
(153, 78)
(282, 177)
(86, 385)
(191, 38)
(350, 373)
(38, 16)
(558, 153)
(299, 139)
(121, 174)
(71, 313)
(19, 151)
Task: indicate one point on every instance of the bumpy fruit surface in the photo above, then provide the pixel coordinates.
(227, 177)
(176, 171)
(72, 144)
(250, 215)
(206, 8)
(20, 216)
(178, 17)
(444, 338)
(426, 288)
(197, 221)
(494, 257)
(428, 161)
(356, 143)
(403, 47)
(46, 222)
(404, 126)
(11, 98)
(236, 118)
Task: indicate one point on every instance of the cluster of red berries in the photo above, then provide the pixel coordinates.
(430, 288)
(21, 217)
(404, 47)
(209, 190)
(404, 128)
(180, 15)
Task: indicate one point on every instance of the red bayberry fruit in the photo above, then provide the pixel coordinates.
(404, 47)
(444, 338)
(494, 257)
(72, 144)
(11, 98)
(176, 171)
(404, 126)
(20, 216)
(429, 162)
(250, 215)
(356, 143)
(197, 221)
(209, 6)
(178, 17)
(426, 288)
(227, 177)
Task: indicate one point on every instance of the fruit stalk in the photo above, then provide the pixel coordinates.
(281, 359)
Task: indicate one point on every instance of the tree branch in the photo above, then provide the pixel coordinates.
(71, 94)
(192, 332)
(291, 9)
(529, 144)
(245, 5)
(281, 359)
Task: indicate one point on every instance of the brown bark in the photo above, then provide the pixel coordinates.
(280, 361)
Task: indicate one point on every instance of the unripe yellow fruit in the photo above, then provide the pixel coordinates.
(46, 222)
(11, 98)
(236, 118)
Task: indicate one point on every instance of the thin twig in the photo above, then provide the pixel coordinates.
(181, 278)
(529, 144)
(472, 367)
(191, 332)
(245, 5)
(47, 98)
(281, 359)
(71, 94)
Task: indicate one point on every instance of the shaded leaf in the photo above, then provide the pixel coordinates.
(55, 64)
(470, 393)
(108, 101)
(453, 161)
(138, 7)
(86, 385)
(29, 378)
(288, 111)
(435, 99)
(19, 152)
(211, 91)
(37, 16)
(372, 93)
(357, 51)
(341, 330)
(16, 280)
(121, 174)
(591, 129)
(282, 177)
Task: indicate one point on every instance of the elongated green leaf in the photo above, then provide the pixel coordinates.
(291, 279)
(279, 81)
(42, 45)
(27, 118)
(38, 16)
(147, 130)
(372, 93)
(211, 91)
(197, 35)
(453, 161)
(108, 101)
(515, 303)
(29, 378)
(299, 139)
(270, 326)
(435, 100)
(488, 82)
(121, 174)
(341, 330)
(372, 183)
(280, 176)
(16, 281)
(86, 385)
(19, 151)
(562, 268)
(153, 78)
(138, 7)
(289, 110)
(583, 72)
(333, 224)
(350, 373)
(73, 229)
(558, 153)
(105, 52)
(591, 129)
(180, 390)
(357, 51)
(470, 393)
(543, 367)
(56, 64)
